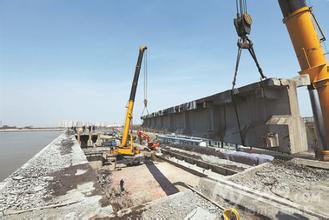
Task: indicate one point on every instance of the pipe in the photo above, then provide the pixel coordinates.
(318, 119)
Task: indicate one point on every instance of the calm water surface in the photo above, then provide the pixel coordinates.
(16, 148)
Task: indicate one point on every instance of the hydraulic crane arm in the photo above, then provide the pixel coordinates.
(301, 23)
(129, 114)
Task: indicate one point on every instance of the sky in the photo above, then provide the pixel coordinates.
(75, 59)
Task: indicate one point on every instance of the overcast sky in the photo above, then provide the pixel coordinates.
(74, 59)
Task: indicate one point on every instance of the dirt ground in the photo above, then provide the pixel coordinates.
(178, 176)
(148, 182)
(139, 184)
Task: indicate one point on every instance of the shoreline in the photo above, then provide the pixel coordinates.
(60, 163)
(30, 129)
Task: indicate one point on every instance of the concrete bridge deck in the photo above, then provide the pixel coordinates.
(267, 111)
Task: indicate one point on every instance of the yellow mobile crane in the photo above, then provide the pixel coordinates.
(301, 24)
(125, 148)
(303, 29)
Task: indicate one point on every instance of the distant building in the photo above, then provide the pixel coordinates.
(8, 127)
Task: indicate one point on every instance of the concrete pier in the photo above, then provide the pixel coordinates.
(56, 183)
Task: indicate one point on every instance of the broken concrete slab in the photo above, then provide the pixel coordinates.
(305, 187)
(311, 163)
(272, 207)
(200, 213)
(177, 206)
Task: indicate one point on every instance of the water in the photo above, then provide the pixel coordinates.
(16, 148)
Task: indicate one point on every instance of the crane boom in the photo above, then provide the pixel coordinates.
(129, 114)
(300, 23)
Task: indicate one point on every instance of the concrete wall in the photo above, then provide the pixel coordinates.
(268, 113)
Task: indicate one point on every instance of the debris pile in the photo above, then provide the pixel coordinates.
(180, 206)
(105, 180)
(288, 180)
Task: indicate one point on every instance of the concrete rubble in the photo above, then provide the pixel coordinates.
(200, 213)
(177, 206)
(180, 206)
(303, 185)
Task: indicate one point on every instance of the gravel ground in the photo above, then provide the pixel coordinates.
(181, 205)
(303, 185)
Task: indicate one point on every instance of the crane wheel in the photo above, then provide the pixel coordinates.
(231, 214)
